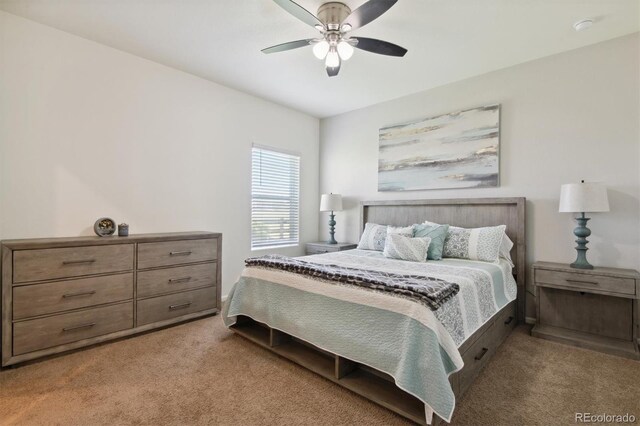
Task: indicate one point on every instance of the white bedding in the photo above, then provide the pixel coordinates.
(485, 287)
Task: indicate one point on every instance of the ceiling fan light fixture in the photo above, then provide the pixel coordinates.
(321, 49)
(345, 50)
(333, 60)
(335, 20)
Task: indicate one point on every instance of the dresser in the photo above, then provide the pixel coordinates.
(595, 309)
(60, 294)
(324, 247)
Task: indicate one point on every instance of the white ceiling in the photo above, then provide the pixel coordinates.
(448, 40)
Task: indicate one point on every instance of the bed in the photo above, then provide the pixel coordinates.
(410, 358)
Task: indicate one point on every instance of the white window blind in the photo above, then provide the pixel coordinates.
(275, 198)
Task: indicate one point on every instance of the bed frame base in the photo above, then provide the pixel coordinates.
(374, 385)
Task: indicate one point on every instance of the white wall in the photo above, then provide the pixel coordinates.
(564, 118)
(89, 131)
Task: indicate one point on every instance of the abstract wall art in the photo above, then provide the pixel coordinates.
(456, 150)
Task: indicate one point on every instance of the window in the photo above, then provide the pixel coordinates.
(275, 198)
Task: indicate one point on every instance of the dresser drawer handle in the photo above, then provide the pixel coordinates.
(179, 280)
(180, 253)
(78, 327)
(180, 306)
(84, 293)
(581, 282)
(78, 262)
(482, 354)
(508, 321)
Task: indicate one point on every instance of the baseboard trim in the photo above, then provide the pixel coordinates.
(529, 320)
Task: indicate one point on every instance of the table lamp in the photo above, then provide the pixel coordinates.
(331, 203)
(580, 198)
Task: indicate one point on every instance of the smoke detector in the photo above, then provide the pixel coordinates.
(583, 24)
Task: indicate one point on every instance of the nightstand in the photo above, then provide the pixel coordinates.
(323, 247)
(595, 309)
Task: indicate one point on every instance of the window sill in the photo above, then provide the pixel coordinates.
(275, 247)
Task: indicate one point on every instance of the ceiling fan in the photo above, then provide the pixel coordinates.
(334, 21)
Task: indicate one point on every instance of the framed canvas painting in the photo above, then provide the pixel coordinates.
(456, 150)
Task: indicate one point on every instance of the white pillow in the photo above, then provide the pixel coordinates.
(373, 237)
(505, 249)
(407, 231)
(402, 247)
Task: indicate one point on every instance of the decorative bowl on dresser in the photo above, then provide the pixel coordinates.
(324, 247)
(591, 308)
(60, 294)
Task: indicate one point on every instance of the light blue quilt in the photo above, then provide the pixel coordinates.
(418, 347)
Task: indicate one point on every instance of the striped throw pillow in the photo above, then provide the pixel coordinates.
(474, 243)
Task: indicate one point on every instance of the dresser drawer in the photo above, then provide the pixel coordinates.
(45, 264)
(41, 299)
(33, 335)
(168, 253)
(586, 282)
(175, 305)
(179, 278)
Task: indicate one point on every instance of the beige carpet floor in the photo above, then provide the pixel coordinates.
(200, 373)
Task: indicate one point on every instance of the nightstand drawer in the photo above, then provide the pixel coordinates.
(318, 250)
(586, 282)
(321, 247)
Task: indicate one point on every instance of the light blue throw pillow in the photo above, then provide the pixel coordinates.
(437, 233)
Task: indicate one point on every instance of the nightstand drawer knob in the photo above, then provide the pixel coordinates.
(508, 321)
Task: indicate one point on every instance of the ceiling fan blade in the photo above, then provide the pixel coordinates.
(379, 46)
(299, 12)
(288, 46)
(368, 12)
(333, 71)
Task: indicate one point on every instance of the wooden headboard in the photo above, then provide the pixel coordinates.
(463, 212)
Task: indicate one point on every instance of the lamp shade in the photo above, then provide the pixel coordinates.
(583, 197)
(330, 203)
